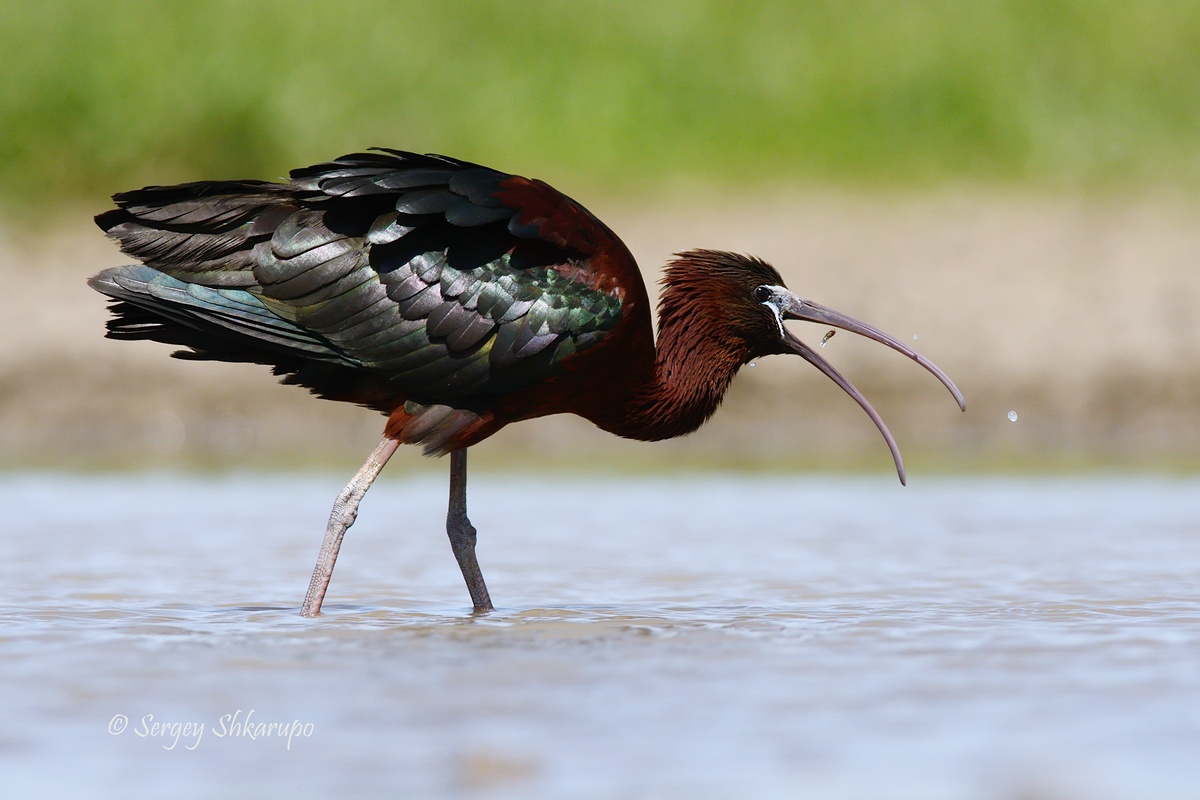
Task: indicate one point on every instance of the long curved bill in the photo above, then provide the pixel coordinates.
(807, 310)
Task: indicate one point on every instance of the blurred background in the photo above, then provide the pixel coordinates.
(1011, 184)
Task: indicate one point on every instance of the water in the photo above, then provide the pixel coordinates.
(711, 637)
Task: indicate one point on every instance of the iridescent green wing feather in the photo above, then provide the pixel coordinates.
(443, 279)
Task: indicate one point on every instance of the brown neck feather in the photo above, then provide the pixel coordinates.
(708, 326)
(695, 359)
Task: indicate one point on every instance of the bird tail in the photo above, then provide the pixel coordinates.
(211, 322)
(196, 284)
(203, 232)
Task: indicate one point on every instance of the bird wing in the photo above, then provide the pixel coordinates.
(445, 279)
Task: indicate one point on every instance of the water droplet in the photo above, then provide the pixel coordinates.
(751, 364)
(1012, 416)
(914, 337)
(827, 337)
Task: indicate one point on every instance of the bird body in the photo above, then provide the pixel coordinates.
(451, 297)
(399, 282)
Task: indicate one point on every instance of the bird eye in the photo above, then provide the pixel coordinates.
(762, 293)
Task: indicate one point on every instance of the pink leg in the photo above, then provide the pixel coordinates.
(345, 509)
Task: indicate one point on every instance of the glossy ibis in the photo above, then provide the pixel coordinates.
(452, 298)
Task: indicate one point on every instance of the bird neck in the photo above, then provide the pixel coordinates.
(694, 361)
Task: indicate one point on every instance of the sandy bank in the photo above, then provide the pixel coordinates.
(1080, 315)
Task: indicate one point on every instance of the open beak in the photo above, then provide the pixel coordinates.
(798, 308)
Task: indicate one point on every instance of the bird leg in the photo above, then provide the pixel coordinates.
(462, 533)
(345, 509)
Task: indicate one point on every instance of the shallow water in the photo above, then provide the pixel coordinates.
(701, 637)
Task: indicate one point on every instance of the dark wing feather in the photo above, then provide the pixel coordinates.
(440, 281)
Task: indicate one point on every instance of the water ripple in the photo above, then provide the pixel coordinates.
(961, 638)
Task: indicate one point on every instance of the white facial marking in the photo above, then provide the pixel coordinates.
(776, 302)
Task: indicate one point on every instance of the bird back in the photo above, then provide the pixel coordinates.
(380, 277)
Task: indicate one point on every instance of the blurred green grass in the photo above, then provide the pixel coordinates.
(99, 97)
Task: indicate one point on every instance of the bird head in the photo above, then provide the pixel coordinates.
(752, 304)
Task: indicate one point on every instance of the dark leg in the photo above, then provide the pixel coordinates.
(345, 509)
(462, 533)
